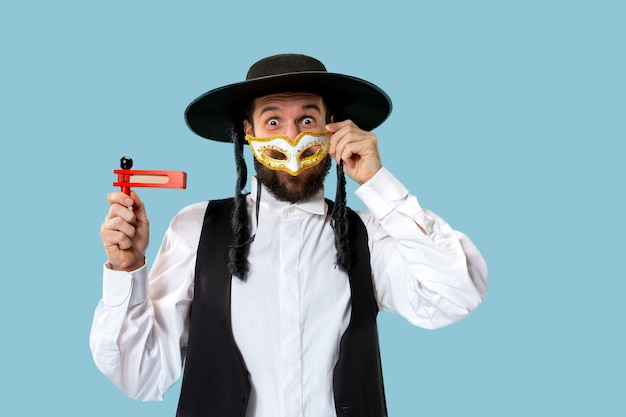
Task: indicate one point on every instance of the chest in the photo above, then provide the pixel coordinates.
(293, 285)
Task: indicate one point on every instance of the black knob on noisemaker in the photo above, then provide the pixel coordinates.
(126, 162)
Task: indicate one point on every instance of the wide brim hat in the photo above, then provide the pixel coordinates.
(212, 114)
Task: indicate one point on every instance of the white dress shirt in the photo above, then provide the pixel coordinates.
(290, 313)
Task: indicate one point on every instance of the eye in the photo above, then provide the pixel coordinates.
(272, 122)
(308, 121)
(310, 151)
(274, 154)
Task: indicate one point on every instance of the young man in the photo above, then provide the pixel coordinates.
(270, 299)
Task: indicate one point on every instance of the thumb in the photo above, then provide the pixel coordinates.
(139, 207)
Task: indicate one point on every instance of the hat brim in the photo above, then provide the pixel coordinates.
(212, 114)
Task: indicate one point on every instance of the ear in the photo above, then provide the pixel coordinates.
(247, 127)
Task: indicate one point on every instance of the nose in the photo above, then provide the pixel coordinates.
(292, 130)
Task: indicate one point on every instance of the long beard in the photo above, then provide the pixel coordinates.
(293, 189)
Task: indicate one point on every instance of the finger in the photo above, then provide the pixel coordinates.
(335, 126)
(121, 225)
(122, 212)
(120, 198)
(115, 225)
(348, 155)
(337, 141)
(115, 240)
(120, 204)
(347, 142)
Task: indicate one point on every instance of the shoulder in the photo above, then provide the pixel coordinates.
(187, 223)
(192, 212)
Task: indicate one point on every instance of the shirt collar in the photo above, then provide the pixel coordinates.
(315, 205)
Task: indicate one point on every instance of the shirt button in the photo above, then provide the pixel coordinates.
(290, 210)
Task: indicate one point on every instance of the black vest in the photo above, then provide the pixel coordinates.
(216, 382)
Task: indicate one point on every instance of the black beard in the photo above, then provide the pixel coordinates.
(294, 189)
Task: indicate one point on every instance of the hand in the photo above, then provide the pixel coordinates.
(357, 148)
(125, 232)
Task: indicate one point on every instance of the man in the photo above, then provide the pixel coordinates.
(270, 299)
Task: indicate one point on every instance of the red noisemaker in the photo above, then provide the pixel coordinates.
(127, 178)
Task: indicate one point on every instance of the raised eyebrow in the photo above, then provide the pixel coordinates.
(268, 108)
(304, 108)
(312, 107)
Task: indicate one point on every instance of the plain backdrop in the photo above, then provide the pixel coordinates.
(508, 121)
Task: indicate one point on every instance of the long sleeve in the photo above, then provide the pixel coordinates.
(432, 279)
(140, 325)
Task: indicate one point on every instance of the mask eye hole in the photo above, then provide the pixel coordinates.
(310, 151)
(275, 154)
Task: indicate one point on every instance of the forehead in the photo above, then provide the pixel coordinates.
(286, 101)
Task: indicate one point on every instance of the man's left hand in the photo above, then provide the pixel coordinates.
(357, 148)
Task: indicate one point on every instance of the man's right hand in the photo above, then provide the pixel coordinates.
(125, 232)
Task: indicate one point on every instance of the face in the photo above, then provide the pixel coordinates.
(289, 114)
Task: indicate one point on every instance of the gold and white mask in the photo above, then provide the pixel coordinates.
(278, 152)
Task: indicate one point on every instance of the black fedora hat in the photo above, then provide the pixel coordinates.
(212, 114)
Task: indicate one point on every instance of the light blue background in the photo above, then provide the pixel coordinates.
(508, 121)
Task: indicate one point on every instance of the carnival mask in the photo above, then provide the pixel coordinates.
(278, 152)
